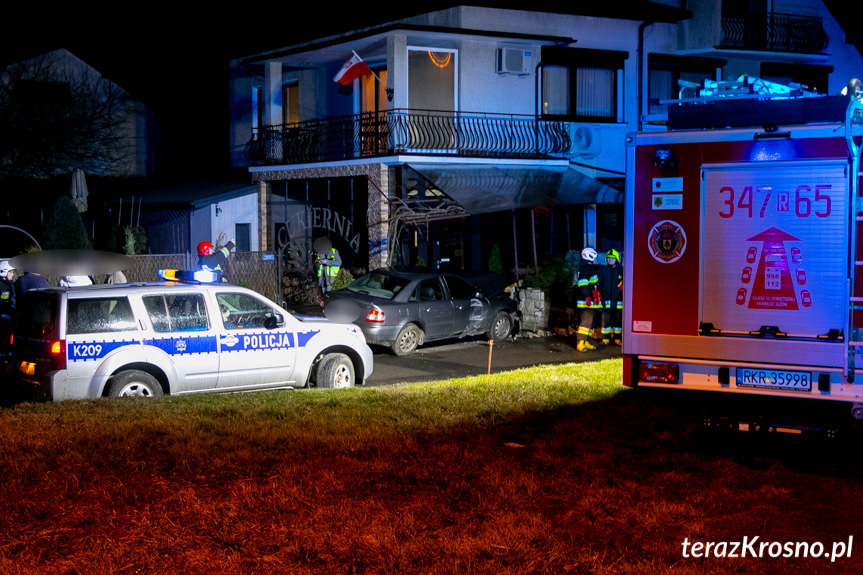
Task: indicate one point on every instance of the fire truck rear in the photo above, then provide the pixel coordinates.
(741, 258)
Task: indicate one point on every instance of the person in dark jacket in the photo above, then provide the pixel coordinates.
(27, 282)
(589, 298)
(212, 259)
(611, 289)
(7, 306)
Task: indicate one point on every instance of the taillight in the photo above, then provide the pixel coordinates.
(656, 372)
(58, 354)
(376, 316)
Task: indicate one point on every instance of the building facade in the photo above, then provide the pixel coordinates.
(470, 131)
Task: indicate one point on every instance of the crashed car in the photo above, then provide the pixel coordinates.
(402, 310)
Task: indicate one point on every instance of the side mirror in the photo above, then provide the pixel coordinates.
(274, 321)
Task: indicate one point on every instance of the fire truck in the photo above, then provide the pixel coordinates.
(741, 246)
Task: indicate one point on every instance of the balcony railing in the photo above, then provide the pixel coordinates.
(409, 131)
(774, 32)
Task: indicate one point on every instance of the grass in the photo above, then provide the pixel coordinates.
(547, 470)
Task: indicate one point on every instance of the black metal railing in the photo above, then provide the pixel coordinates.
(409, 131)
(774, 32)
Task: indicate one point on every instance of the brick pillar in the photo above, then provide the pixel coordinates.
(265, 217)
(377, 218)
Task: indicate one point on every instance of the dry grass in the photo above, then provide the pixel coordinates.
(550, 470)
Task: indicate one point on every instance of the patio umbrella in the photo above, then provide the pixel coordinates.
(71, 262)
(78, 189)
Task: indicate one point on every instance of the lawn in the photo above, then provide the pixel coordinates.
(551, 470)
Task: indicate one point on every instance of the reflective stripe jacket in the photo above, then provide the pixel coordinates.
(586, 282)
(610, 286)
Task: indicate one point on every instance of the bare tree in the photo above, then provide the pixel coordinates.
(57, 114)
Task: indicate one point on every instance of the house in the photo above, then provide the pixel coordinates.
(93, 124)
(472, 127)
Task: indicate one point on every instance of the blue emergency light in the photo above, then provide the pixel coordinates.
(191, 276)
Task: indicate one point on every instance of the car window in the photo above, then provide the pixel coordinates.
(100, 315)
(428, 290)
(379, 284)
(459, 288)
(37, 314)
(242, 311)
(181, 312)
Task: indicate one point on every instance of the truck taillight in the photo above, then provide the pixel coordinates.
(58, 354)
(657, 372)
(376, 316)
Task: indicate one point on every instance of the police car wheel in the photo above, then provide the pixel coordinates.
(408, 339)
(134, 383)
(501, 326)
(335, 370)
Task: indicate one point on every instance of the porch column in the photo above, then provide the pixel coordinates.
(273, 89)
(377, 218)
(265, 217)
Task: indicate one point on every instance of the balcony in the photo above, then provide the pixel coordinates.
(409, 132)
(768, 31)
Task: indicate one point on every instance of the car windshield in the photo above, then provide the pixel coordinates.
(379, 284)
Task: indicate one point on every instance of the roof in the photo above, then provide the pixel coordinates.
(195, 194)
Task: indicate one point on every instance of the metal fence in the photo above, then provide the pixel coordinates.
(255, 270)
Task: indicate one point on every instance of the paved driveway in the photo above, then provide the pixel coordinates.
(460, 358)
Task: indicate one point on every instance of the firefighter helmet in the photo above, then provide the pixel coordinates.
(588, 254)
(612, 253)
(204, 248)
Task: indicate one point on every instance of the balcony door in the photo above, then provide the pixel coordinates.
(373, 113)
(432, 96)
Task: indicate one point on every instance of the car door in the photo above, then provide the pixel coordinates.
(461, 293)
(257, 346)
(183, 329)
(435, 308)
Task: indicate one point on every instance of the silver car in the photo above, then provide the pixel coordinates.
(161, 338)
(402, 310)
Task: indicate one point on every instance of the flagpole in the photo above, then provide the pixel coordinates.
(370, 68)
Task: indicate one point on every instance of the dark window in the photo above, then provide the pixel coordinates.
(428, 290)
(813, 78)
(100, 315)
(674, 77)
(580, 84)
(243, 237)
(242, 311)
(459, 288)
(183, 312)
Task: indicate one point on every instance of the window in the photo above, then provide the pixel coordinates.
(668, 74)
(428, 290)
(431, 79)
(581, 85)
(290, 104)
(100, 315)
(243, 237)
(257, 110)
(812, 77)
(242, 311)
(182, 312)
(459, 288)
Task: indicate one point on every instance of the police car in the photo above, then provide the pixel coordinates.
(159, 338)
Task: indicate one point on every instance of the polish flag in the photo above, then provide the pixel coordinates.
(353, 68)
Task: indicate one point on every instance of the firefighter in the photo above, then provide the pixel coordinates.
(210, 259)
(611, 287)
(589, 298)
(328, 263)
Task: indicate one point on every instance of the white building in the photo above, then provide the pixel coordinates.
(483, 126)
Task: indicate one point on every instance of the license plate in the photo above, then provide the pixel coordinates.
(774, 379)
(27, 368)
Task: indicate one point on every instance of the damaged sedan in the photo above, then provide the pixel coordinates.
(402, 310)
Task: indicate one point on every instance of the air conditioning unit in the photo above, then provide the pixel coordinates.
(584, 140)
(513, 61)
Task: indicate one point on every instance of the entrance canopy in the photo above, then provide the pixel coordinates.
(480, 189)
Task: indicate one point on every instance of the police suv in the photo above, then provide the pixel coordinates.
(153, 339)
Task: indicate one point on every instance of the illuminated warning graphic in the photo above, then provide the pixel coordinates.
(666, 241)
(773, 284)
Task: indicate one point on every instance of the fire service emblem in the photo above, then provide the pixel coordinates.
(666, 241)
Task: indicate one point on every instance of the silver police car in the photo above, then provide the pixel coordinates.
(160, 338)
